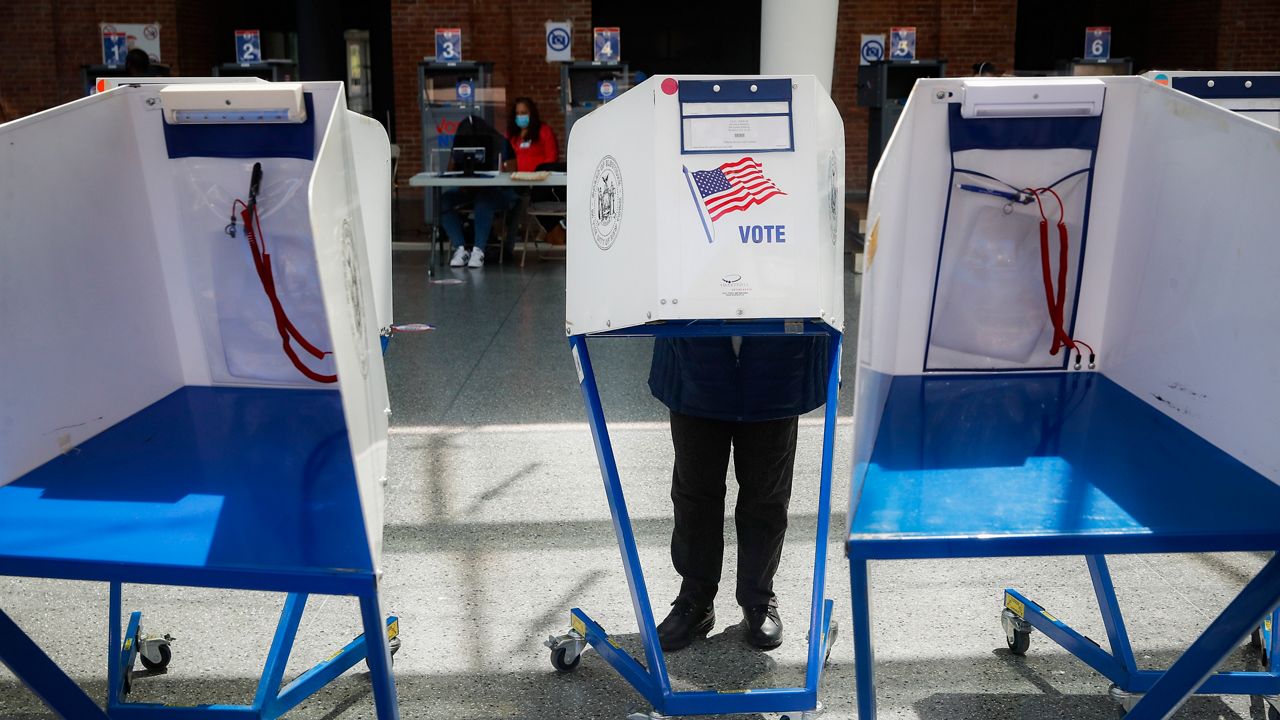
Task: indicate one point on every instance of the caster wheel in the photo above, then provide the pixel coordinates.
(1019, 643)
(165, 656)
(128, 682)
(558, 661)
(394, 646)
(1255, 638)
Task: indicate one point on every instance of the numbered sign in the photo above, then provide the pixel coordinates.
(248, 46)
(115, 46)
(559, 41)
(606, 89)
(448, 44)
(608, 44)
(1097, 43)
(871, 50)
(466, 91)
(902, 44)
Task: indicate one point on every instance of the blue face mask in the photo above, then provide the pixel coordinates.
(522, 121)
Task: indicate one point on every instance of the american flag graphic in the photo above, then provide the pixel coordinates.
(734, 186)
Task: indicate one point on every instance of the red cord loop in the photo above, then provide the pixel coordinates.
(262, 264)
(1056, 298)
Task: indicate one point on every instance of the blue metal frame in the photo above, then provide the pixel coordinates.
(64, 697)
(1164, 691)
(654, 683)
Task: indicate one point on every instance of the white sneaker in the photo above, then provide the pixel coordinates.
(459, 257)
(477, 259)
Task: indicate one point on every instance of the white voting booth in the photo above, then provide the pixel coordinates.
(704, 206)
(1256, 95)
(1067, 346)
(707, 198)
(192, 287)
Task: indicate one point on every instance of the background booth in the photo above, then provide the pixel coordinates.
(705, 206)
(1066, 348)
(192, 389)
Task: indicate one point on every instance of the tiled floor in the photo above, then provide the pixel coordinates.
(497, 525)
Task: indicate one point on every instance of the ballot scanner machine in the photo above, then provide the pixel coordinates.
(191, 388)
(1066, 347)
(704, 206)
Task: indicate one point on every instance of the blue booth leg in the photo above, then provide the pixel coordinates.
(379, 657)
(43, 676)
(864, 659)
(1186, 675)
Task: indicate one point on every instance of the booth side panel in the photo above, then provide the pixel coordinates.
(612, 216)
(1191, 316)
(84, 316)
(173, 244)
(829, 172)
(904, 224)
(1108, 230)
(338, 230)
(372, 153)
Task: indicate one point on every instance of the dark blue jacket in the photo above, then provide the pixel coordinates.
(770, 378)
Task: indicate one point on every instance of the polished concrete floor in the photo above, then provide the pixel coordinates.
(497, 525)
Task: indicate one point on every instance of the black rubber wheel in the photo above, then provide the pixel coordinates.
(1272, 713)
(1020, 642)
(128, 682)
(558, 661)
(1255, 638)
(165, 656)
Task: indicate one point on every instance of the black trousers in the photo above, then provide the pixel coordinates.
(764, 456)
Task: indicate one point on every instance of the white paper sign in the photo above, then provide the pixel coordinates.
(743, 132)
(144, 36)
(559, 39)
(871, 50)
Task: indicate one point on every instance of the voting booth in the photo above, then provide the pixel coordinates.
(1066, 348)
(192, 389)
(1256, 95)
(704, 206)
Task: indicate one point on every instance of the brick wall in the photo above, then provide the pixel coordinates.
(510, 35)
(1249, 35)
(43, 44)
(963, 32)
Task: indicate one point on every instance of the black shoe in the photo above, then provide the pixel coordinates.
(685, 623)
(764, 627)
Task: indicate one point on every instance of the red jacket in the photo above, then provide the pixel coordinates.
(533, 152)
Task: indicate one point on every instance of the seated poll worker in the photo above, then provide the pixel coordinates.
(745, 396)
(534, 141)
(485, 201)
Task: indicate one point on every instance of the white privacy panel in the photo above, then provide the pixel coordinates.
(1191, 322)
(87, 335)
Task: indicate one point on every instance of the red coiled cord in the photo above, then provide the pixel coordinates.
(1056, 299)
(262, 264)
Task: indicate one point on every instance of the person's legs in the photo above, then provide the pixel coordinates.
(697, 492)
(697, 541)
(764, 456)
(488, 201)
(450, 218)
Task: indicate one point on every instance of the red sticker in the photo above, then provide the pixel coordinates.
(669, 86)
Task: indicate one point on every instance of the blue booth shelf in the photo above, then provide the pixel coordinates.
(1050, 463)
(1059, 463)
(222, 487)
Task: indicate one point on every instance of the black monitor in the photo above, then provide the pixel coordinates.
(477, 147)
(468, 155)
